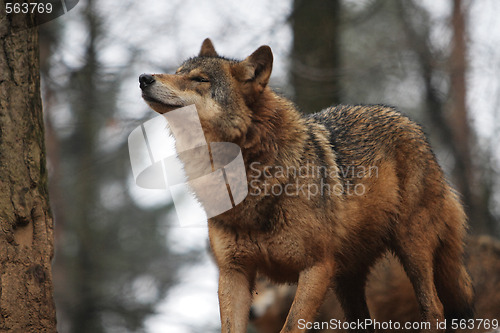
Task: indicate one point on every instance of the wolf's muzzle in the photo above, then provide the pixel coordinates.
(146, 80)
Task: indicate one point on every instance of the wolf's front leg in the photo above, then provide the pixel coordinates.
(235, 298)
(311, 290)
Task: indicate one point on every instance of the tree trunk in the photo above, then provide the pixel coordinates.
(476, 190)
(316, 54)
(458, 106)
(26, 234)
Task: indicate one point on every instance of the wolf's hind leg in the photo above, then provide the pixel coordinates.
(415, 249)
(350, 290)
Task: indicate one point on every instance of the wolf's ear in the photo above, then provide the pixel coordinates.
(256, 68)
(207, 49)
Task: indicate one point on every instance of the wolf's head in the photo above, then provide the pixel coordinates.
(224, 91)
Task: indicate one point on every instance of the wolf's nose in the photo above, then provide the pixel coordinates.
(146, 80)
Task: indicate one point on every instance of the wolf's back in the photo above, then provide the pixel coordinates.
(365, 135)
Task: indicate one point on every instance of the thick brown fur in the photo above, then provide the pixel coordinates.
(390, 295)
(331, 238)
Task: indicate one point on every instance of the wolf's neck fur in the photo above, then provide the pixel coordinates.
(276, 127)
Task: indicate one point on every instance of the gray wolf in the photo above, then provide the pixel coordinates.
(316, 214)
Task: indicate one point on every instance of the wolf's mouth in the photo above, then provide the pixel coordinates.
(150, 99)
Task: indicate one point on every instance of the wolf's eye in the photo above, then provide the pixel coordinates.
(199, 79)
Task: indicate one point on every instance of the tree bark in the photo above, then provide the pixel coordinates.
(459, 121)
(457, 102)
(316, 53)
(26, 234)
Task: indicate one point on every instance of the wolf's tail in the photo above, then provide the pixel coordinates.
(453, 283)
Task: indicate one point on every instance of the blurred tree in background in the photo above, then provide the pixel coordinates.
(315, 56)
